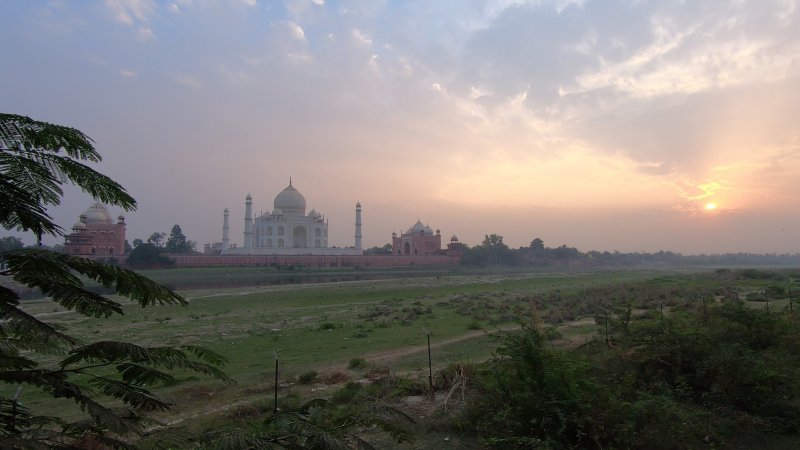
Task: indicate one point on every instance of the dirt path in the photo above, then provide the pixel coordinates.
(374, 357)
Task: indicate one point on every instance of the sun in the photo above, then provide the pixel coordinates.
(711, 206)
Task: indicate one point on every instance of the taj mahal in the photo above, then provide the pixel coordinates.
(287, 230)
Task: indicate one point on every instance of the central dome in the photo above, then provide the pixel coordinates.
(290, 201)
(97, 213)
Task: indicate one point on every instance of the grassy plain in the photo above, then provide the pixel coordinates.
(323, 326)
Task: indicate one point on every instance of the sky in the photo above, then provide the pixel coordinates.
(603, 125)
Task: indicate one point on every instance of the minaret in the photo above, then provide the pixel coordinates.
(248, 222)
(358, 226)
(226, 242)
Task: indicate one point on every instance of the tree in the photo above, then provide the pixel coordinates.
(385, 250)
(157, 239)
(36, 159)
(137, 242)
(176, 243)
(10, 243)
(148, 256)
(491, 252)
(537, 245)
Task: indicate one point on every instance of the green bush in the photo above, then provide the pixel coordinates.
(347, 393)
(357, 363)
(307, 377)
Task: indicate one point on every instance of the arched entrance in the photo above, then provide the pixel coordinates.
(406, 248)
(300, 236)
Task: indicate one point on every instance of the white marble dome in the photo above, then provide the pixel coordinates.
(290, 201)
(97, 213)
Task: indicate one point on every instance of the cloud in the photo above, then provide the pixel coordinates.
(145, 34)
(296, 31)
(187, 81)
(360, 37)
(128, 11)
(127, 73)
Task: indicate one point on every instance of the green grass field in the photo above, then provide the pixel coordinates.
(323, 326)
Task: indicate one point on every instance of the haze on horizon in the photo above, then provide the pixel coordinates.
(631, 126)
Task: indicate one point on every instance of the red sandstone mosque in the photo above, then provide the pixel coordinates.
(95, 234)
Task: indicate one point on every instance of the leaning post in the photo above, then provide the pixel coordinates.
(430, 364)
(275, 404)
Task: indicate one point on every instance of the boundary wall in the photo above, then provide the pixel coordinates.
(312, 260)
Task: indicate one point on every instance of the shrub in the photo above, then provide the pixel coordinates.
(347, 393)
(307, 377)
(357, 363)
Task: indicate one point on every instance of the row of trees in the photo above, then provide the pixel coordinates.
(493, 251)
(175, 243)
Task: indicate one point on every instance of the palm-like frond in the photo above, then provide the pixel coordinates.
(131, 394)
(36, 159)
(238, 440)
(55, 275)
(320, 424)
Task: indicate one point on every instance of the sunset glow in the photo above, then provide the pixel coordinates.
(548, 119)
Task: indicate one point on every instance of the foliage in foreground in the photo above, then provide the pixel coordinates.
(107, 380)
(318, 425)
(691, 382)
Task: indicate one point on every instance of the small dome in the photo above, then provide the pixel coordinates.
(454, 238)
(79, 226)
(97, 213)
(312, 213)
(290, 201)
(277, 212)
(358, 205)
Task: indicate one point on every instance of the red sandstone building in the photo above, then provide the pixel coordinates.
(95, 234)
(419, 240)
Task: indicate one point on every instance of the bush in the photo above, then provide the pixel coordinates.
(357, 363)
(307, 377)
(347, 393)
(327, 326)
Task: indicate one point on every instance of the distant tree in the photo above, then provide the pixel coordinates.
(176, 243)
(157, 239)
(191, 246)
(137, 242)
(149, 256)
(128, 247)
(537, 245)
(10, 243)
(385, 250)
(108, 380)
(491, 252)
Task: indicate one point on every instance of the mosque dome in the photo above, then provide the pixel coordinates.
(79, 226)
(290, 201)
(420, 227)
(454, 238)
(98, 214)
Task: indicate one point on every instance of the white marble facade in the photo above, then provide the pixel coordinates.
(287, 229)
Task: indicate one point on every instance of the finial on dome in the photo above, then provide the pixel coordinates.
(290, 180)
(358, 204)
